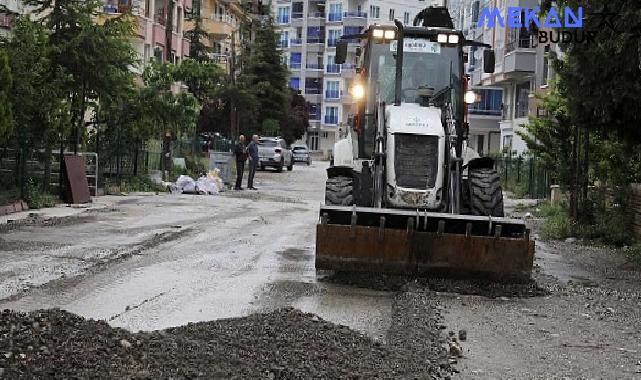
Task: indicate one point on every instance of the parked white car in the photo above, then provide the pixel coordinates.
(273, 152)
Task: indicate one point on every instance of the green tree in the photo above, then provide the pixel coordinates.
(6, 119)
(297, 117)
(40, 109)
(97, 57)
(264, 76)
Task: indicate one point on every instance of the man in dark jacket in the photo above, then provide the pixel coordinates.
(253, 161)
(240, 151)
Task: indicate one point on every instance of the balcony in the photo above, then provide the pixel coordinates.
(313, 91)
(219, 58)
(355, 18)
(331, 42)
(186, 45)
(295, 66)
(159, 35)
(316, 40)
(316, 15)
(333, 68)
(297, 15)
(334, 17)
(217, 26)
(331, 119)
(282, 44)
(283, 20)
(296, 41)
(355, 14)
(314, 66)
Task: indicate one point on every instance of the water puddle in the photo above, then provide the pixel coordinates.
(557, 266)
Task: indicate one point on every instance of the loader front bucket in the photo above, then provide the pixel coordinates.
(423, 243)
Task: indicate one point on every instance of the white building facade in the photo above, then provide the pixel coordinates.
(309, 31)
(515, 70)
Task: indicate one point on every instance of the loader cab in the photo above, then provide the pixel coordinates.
(426, 70)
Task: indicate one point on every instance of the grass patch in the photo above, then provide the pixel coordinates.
(143, 184)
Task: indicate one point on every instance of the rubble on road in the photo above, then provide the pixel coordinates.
(285, 343)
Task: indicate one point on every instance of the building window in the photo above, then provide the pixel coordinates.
(297, 10)
(284, 39)
(335, 12)
(316, 35)
(295, 60)
(333, 90)
(391, 14)
(314, 111)
(331, 66)
(325, 135)
(333, 36)
(294, 83)
(374, 11)
(523, 99)
(282, 15)
(489, 103)
(545, 75)
(406, 18)
(312, 140)
(507, 142)
(331, 115)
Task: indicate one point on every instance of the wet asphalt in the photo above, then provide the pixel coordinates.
(153, 262)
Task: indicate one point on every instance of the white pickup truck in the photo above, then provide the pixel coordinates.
(273, 152)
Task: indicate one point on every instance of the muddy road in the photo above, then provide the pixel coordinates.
(149, 263)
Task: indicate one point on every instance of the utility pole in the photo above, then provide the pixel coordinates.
(233, 117)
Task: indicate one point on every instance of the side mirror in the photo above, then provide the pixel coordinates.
(489, 61)
(341, 52)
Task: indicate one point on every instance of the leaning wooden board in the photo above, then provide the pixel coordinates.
(76, 185)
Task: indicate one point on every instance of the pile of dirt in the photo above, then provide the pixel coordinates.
(282, 344)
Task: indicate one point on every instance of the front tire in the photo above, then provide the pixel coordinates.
(291, 165)
(485, 193)
(339, 191)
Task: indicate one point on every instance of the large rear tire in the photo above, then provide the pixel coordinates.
(339, 191)
(485, 193)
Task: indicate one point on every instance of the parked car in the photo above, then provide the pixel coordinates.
(301, 154)
(273, 152)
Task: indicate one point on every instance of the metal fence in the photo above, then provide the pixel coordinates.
(525, 176)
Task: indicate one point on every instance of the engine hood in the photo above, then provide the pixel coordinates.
(413, 119)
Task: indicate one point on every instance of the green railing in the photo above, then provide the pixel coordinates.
(523, 175)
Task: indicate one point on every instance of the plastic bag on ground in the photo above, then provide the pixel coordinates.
(186, 184)
(206, 185)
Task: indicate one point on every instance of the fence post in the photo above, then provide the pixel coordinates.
(22, 140)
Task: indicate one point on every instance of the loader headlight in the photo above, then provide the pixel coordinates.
(390, 35)
(470, 97)
(453, 39)
(442, 38)
(378, 33)
(358, 91)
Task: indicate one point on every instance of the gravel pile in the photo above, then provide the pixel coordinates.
(283, 344)
(393, 283)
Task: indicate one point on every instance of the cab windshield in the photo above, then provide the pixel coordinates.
(425, 65)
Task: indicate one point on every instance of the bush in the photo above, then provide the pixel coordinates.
(633, 253)
(610, 226)
(36, 198)
(558, 224)
(133, 184)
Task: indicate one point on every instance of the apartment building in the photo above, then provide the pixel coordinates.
(308, 33)
(221, 19)
(484, 116)
(517, 55)
(7, 18)
(153, 17)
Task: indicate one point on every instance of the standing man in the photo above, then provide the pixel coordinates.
(241, 155)
(253, 161)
